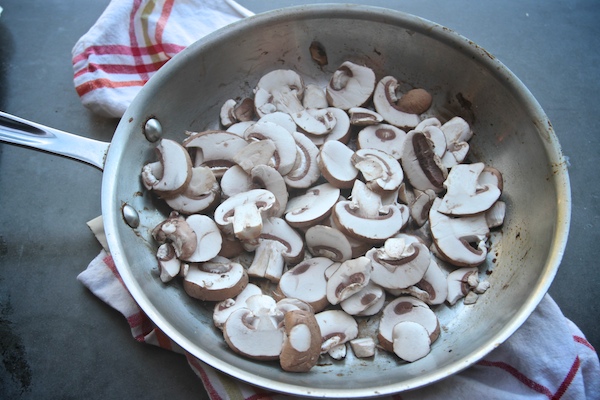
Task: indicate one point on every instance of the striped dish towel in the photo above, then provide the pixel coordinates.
(548, 357)
(132, 39)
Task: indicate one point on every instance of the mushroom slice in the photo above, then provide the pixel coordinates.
(491, 176)
(349, 278)
(234, 181)
(365, 218)
(214, 149)
(325, 241)
(384, 137)
(201, 193)
(179, 233)
(270, 179)
(366, 302)
(259, 152)
(208, 238)
(464, 196)
(171, 174)
(340, 132)
(335, 163)
(433, 288)
(314, 97)
(381, 171)
(282, 119)
(406, 308)
(315, 121)
(397, 265)
(460, 282)
(306, 281)
(225, 308)
(462, 240)
(243, 213)
(215, 280)
(278, 243)
(363, 347)
(351, 85)
(495, 215)
(422, 167)
(457, 132)
(410, 341)
(169, 265)
(337, 327)
(419, 208)
(279, 90)
(302, 341)
(285, 145)
(305, 171)
(360, 116)
(385, 101)
(232, 111)
(255, 332)
(240, 127)
(312, 206)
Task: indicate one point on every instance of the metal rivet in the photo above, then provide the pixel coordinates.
(152, 130)
(131, 216)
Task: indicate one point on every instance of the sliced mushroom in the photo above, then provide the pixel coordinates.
(460, 241)
(491, 176)
(302, 341)
(225, 308)
(419, 208)
(215, 280)
(240, 127)
(312, 206)
(406, 308)
(202, 193)
(279, 90)
(277, 244)
(305, 171)
(363, 347)
(458, 133)
(335, 163)
(284, 156)
(384, 137)
(460, 282)
(381, 171)
(432, 289)
(464, 195)
(410, 341)
(325, 241)
(385, 101)
(233, 112)
(282, 119)
(366, 302)
(306, 281)
(349, 278)
(315, 121)
(350, 86)
(243, 213)
(366, 218)
(361, 116)
(234, 181)
(179, 233)
(169, 265)
(170, 175)
(314, 97)
(208, 238)
(255, 332)
(214, 149)
(260, 152)
(340, 132)
(422, 167)
(397, 265)
(495, 215)
(337, 327)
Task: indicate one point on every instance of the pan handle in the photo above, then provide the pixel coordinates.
(22, 132)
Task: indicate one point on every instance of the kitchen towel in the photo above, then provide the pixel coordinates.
(132, 39)
(548, 357)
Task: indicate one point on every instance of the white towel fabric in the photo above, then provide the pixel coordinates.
(548, 357)
(132, 39)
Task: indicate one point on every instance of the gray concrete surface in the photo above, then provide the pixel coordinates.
(57, 341)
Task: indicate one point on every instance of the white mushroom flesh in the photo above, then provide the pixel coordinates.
(283, 146)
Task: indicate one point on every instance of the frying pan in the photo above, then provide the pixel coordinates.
(512, 133)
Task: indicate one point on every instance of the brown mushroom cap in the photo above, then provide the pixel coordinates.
(302, 341)
(384, 100)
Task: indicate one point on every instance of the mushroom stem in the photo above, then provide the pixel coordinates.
(268, 260)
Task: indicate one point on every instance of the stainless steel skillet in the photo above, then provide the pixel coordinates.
(512, 134)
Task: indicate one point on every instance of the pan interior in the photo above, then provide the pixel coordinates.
(511, 133)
